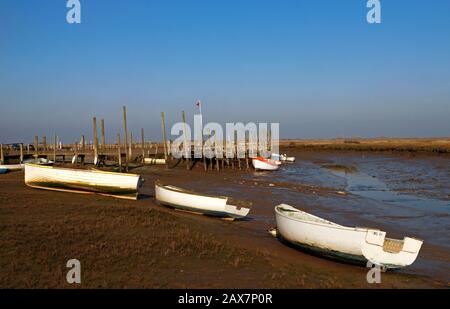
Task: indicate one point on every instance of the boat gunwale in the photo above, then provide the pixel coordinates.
(335, 225)
(343, 227)
(235, 202)
(81, 170)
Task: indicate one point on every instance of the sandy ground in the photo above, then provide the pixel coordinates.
(143, 245)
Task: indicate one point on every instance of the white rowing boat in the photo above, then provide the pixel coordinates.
(352, 244)
(211, 205)
(12, 167)
(282, 157)
(119, 185)
(260, 163)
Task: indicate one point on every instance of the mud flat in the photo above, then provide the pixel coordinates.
(141, 244)
(421, 145)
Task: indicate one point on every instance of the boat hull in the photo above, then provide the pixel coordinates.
(12, 167)
(265, 164)
(119, 185)
(355, 245)
(201, 204)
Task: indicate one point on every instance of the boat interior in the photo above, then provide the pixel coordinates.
(302, 216)
(393, 245)
(230, 201)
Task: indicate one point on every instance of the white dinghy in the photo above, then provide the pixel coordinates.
(119, 185)
(353, 244)
(210, 205)
(282, 157)
(260, 163)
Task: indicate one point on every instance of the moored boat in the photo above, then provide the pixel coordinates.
(261, 163)
(120, 185)
(351, 244)
(217, 206)
(282, 157)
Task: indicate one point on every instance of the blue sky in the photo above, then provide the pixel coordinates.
(315, 66)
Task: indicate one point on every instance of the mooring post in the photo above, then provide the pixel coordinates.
(187, 147)
(2, 156)
(54, 147)
(44, 143)
(83, 144)
(143, 144)
(216, 151)
(21, 152)
(36, 146)
(76, 154)
(125, 134)
(130, 150)
(119, 152)
(237, 149)
(94, 126)
(102, 124)
(163, 127)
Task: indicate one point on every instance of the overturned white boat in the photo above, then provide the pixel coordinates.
(211, 205)
(119, 185)
(264, 164)
(352, 244)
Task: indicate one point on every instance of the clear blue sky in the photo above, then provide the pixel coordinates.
(315, 66)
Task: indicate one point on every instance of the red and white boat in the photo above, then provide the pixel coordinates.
(260, 163)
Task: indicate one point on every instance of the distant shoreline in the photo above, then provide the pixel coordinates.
(422, 145)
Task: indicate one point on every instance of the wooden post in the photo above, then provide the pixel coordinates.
(131, 145)
(269, 139)
(94, 126)
(125, 133)
(246, 151)
(76, 154)
(36, 146)
(21, 152)
(83, 144)
(143, 144)
(163, 127)
(2, 156)
(187, 148)
(216, 153)
(102, 124)
(237, 149)
(119, 152)
(44, 143)
(55, 139)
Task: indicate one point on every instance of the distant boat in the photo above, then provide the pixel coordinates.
(11, 167)
(211, 205)
(260, 163)
(120, 185)
(282, 157)
(353, 244)
(39, 161)
(153, 161)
